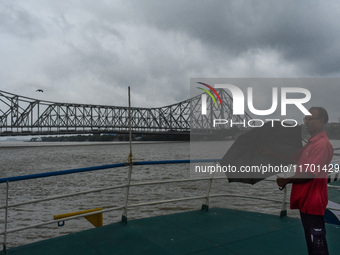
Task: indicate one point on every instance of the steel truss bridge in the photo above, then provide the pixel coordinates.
(21, 115)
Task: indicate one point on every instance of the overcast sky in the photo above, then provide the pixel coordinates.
(90, 51)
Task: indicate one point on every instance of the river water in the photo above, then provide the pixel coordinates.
(23, 158)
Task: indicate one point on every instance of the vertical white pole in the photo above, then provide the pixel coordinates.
(127, 189)
(130, 132)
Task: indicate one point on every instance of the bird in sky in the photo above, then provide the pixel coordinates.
(39, 90)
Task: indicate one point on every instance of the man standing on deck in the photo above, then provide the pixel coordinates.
(309, 191)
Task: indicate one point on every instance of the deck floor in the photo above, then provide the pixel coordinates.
(219, 231)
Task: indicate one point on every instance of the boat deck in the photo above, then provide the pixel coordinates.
(219, 231)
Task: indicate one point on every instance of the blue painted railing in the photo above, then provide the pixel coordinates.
(96, 168)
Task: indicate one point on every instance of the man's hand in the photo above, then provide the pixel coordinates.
(282, 182)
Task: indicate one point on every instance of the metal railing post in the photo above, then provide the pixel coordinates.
(205, 207)
(127, 190)
(283, 212)
(6, 218)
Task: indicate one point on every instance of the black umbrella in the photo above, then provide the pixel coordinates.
(247, 163)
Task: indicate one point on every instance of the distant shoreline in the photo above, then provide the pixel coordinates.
(26, 144)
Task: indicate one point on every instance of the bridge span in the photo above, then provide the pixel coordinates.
(20, 115)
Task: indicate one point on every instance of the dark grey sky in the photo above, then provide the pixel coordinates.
(91, 51)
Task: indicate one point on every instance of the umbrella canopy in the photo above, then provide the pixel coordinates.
(249, 164)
